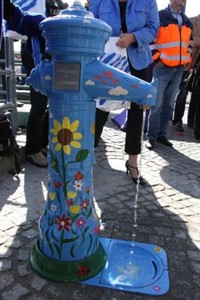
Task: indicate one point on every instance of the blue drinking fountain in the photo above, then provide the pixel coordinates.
(69, 248)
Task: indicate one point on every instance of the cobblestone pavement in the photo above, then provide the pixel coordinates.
(168, 215)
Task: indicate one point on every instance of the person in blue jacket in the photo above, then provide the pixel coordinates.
(136, 23)
(27, 23)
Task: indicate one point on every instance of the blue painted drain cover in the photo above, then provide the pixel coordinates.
(134, 267)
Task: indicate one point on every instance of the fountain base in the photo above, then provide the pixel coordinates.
(133, 267)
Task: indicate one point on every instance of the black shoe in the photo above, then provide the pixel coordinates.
(163, 140)
(139, 179)
(150, 144)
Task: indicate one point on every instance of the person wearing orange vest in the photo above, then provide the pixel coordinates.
(171, 53)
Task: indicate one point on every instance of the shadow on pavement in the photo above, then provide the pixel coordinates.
(182, 172)
(114, 194)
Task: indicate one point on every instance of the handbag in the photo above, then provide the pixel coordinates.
(188, 80)
(116, 57)
(191, 81)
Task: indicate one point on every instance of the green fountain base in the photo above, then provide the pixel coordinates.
(67, 271)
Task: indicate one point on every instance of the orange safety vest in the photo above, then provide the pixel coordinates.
(171, 45)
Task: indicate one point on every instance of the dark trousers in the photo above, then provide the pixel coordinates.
(180, 106)
(191, 111)
(196, 102)
(180, 103)
(134, 121)
(37, 125)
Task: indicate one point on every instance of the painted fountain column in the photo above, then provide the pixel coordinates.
(69, 247)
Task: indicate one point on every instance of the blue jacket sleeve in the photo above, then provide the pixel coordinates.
(148, 33)
(25, 23)
(93, 7)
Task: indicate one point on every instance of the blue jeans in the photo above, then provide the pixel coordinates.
(169, 79)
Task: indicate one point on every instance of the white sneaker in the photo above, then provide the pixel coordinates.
(37, 159)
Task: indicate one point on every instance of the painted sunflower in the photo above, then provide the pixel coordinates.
(66, 135)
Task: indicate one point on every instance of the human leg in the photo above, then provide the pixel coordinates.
(34, 139)
(34, 131)
(180, 102)
(169, 98)
(180, 108)
(134, 131)
(191, 111)
(133, 141)
(197, 118)
(34, 135)
(163, 75)
(100, 121)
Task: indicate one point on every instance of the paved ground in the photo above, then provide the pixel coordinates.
(168, 215)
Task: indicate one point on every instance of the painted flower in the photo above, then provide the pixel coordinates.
(78, 176)
(78, 185)
(83, 270)
(52, 196)
(157, 288)
(98, 77)
(57, 184)
(93, 128)
(108, 74)
(87, 189)
(135, 86)
(115, 81)
(69, 202)
(53, 207)
(63, 223)
(96, 229)
(80, 222)
(157, 249)
(85, 203)
(65, 135)
(75, 209)
(71, 194)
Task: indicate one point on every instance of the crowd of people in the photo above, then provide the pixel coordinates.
(169, 35)
(167, 40)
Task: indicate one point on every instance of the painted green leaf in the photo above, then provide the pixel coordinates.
(65, 241)
(74, 218)
(86, 229)
(57, 249)
(90, 212)
(90, 244)
(72, 251)
(50, 223)
(81, 155)
(53, 236)
(73, 231)
(54, 162)
(48, 241)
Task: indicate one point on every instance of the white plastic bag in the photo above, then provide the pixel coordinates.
(116, 57)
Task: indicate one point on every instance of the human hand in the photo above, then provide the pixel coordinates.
(125, 39)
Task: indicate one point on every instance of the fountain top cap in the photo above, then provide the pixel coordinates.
(75, 15)
(76, 9)
(75, 30)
